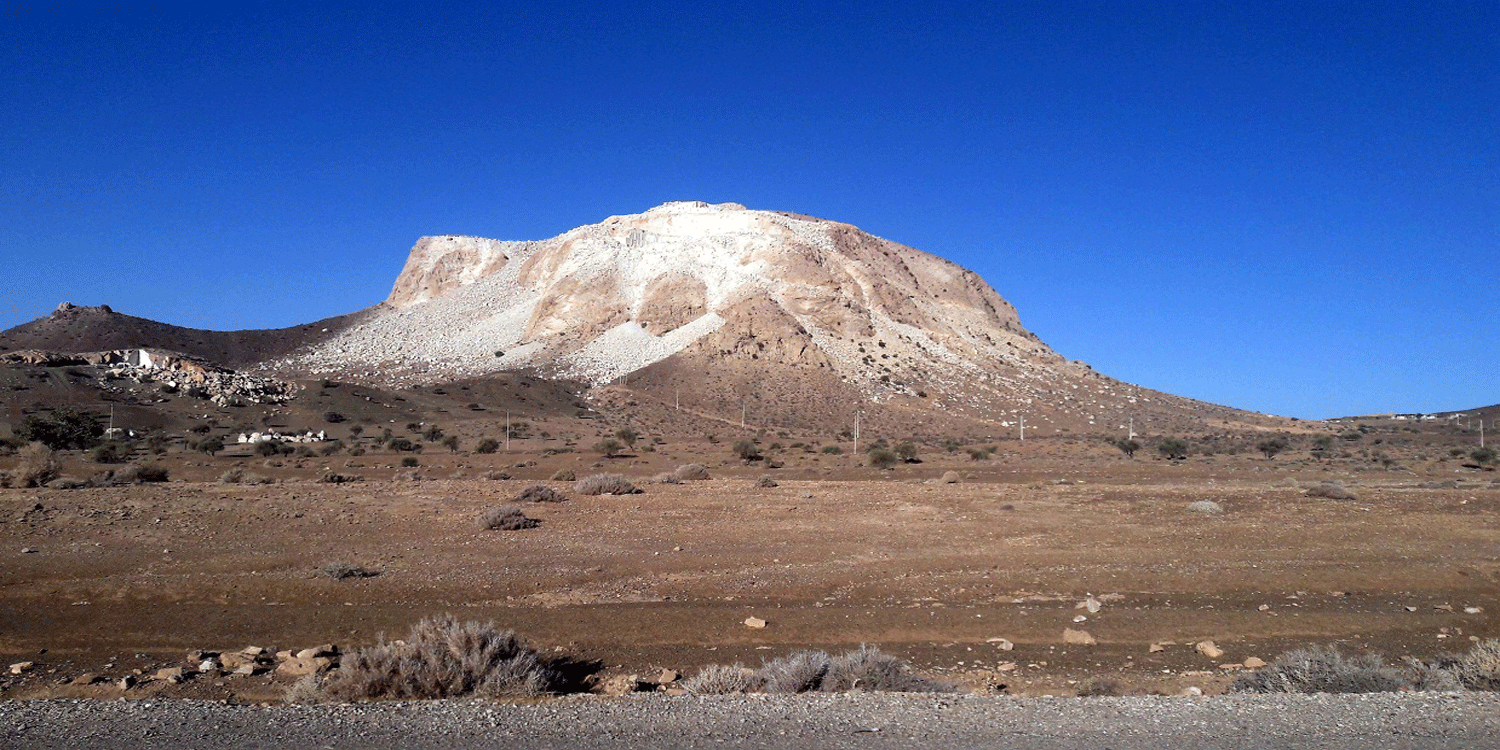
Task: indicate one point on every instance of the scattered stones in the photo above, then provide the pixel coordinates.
(22, 667)
(755, 623)
(623, 684)
(1263, 608)
(87, 678)
(951, 477)
(1206, 507)
(1254, 662)
(28, 550)
(1157, 648)
(127, 682)
(1091, 604)
(174, 675)
(1209, 649)
(1001, 643)
(668, 676)
(1473, 610)
(1078, 637)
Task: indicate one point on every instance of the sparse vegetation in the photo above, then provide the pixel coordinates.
(1328, 670)
(766, 483)
(979, 454)
(882, 458)
(487, 446)
(833, 450)
(340, 571)
(238, 475)
(507, 518)
(609, 447)
(907, 452)
(692, 472)
(410, 462)
(605, 484)
(107, 453)
(747, 450)
(627, 436)
(451, 443)
(440, 658)
(862, 670)
(564, 475)
(540, 493)
(37, 465)
(1099, 687)
(1480, 668)
(1173, 449)
(63, 429)
(1272, 446)
(1127, 446)
(1332, 491)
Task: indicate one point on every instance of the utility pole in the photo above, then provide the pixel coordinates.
(507, 430)
(1481, 433)
(857, 414)
(743, 407)
(1131, 436)
(1023, 428)
(677, 398)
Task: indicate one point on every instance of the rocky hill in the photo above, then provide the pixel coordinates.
(766, 317)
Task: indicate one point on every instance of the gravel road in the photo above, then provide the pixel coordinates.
(1335, 722)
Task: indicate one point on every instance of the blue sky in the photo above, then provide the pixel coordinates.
(1286, 207)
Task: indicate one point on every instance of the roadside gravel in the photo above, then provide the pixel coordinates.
(1334, 722)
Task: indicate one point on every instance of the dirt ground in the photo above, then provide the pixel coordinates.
(118, 579)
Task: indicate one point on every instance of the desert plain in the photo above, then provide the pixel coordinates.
(1049, 566)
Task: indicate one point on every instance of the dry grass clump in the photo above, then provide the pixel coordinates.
(717, 679)
(1099, 687)
(766, 483)
(666, 478)
(692, 472)
(605, 484)
(1321, 669)
(339, 571)
(507, 518)
(494, 475)
(1206, 507)
(440, 658)
(37, 465)
(1480, 668)
(1332, 491)
(238, 475)
(862, 670)
(564, 475)
(538, 493)
(142, 473)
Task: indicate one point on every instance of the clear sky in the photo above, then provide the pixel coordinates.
(1291, 207)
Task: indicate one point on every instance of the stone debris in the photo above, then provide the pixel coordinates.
(1473, 610)
(1209, 649)
(1254, 662)
(22, 667)
(1001, 643)
(87, 678)
(622, 684)
(755, 623)
(1091, 604)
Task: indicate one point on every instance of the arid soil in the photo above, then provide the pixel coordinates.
(118, 579)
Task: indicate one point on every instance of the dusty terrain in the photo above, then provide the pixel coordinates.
(116, 579)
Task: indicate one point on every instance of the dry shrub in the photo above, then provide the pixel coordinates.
(605, 484)
(801, 672)
(868, 670)
(495, 476)
(766, 483)
(666, 478)
(564, 475)
(1206, 507)
(692, 472)
(864, 670)
(1480, 668)
(340, 571)
(507, 518)
(142, 473)
(440, 658)
(537, 493)
(717, 679)
(1332, 491)
(238, 475)
(37, 465)
(1099, 687)
(1321, 669)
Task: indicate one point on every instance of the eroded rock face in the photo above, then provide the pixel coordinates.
(726, 305)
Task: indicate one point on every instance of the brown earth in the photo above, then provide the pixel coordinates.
(836, 555)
